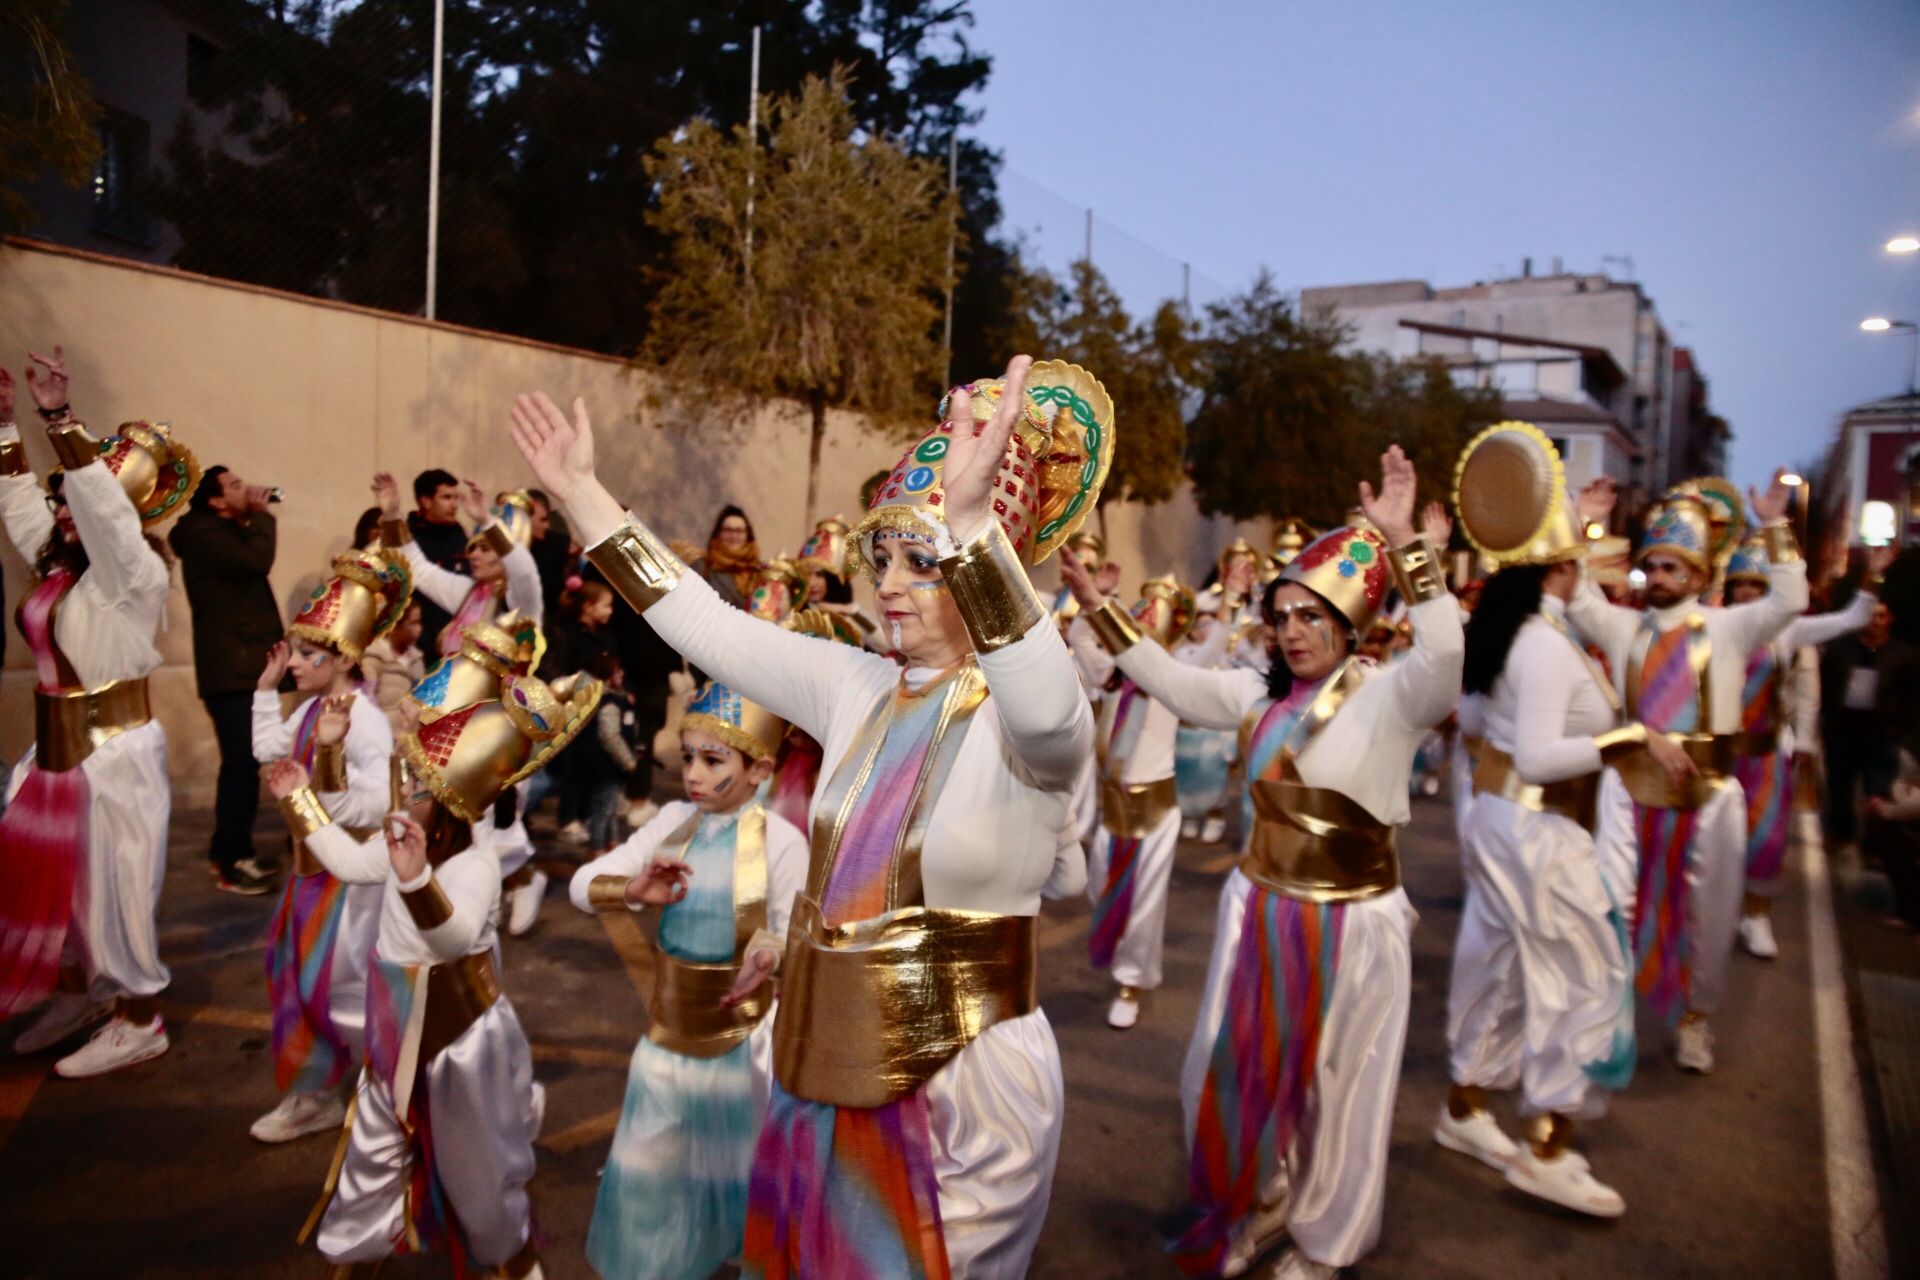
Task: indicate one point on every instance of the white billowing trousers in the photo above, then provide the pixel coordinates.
(1136, 957)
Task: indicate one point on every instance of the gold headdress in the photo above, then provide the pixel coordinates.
(1166, 610)
(365, 598)
(490, 652)
(1348, 569)
(1511, 491)
(1750, 562)
(468, 757)
(156, 473)
(782, 587)
(825, 548)
(1679, 525)
(1290, 536)
(828, 624)
(1234, 550)
(1089, 548)
(747, 727)
(1726, 512)
(513, 510)
(1048, 483)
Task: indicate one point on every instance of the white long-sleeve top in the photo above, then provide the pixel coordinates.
(106, 625)
(1152, 756)
(1733, 632)
(369, 746)
(1366, 751)
(470, 879)
(992, 842)
(786, 861)
(449, 589)
(1548, 703)
(1800, 683)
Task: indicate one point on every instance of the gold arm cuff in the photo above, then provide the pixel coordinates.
(428, 905)
(1616, 744)
(13, 459)
(1782, 548)
(496, 536)
(330, 767)
(992, 590)
(608, 893)
(1114, 628)
(1416, 571)
(73, 444)
(304, 813)
(640, 566)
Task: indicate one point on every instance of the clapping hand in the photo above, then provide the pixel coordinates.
(275, 671)
(1391, 509)
(284, 777)
(336, 714)
(976, 451)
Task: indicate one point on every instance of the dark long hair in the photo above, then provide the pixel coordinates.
(1510, 597)
(729, 510)
(1279, 674)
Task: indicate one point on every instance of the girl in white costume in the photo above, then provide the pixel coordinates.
(1311, 946)
(722, 870)
(83, 843)
(916, 1115)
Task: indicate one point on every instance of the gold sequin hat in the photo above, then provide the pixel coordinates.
(514, 510)
(782, 587)
(1726, 511)
(1348, 569)
(365, 598)
(1048, 483)
(468, 757)
(1236, 549)
(1510, 488)
(1089, 548)
(490, 652)
(1750, 562)
(825, 548)
(1289, 537)
(1681, 526)
(1166, 610)
(157, 473)
(747, 727)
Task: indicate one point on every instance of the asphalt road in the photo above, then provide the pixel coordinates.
(150, 1172)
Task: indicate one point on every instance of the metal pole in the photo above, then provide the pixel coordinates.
(1906, 443)
(753, 135)
(1186, 287)
(1088, 255)
(953, 235)
(433, 164)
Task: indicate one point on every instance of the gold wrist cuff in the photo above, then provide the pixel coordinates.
(1782, 547)
(428, 904)
(395, 533)
(304, 812)
(638, 565)
(73, 444)
(496, 536)
(1114, 628)
(13, 459)
(1615, 744)
(330, 767)
(1416, 571)
(608, 893)
(992, 590)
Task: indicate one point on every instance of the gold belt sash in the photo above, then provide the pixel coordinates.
(71, 725)
(1650, 786)
(458, 992)
(1133, 811)
(1765, 742)
(685, 1012)
(870, 1010)
(1574, 798)
(1317, 845)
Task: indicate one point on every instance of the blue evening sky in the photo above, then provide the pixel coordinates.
(1751, 158)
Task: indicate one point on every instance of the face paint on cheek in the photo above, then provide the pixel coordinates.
(938, 584)
(896, 635)
(725, 785)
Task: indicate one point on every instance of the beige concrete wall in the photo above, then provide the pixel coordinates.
(316, 397)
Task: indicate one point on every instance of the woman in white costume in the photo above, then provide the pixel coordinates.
(1311, 945)
(83, 843)
(505, 576)
(916, 1113)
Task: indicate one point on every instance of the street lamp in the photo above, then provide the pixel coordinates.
(1904, 244)
(1880, 324)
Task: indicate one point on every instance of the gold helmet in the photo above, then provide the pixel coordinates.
(490, 652)
(468, 757)
(781, 589)
(153, 471)
(1048, 483)
(825, 548)
(1510, 489)
(1679, 525)
(1166, 610)
(747, 727)
(1348, 569)
(1237, 549)
(1089, 548)
(1750, 562)
(1726, 512)
(365, 598)
(1290, 536)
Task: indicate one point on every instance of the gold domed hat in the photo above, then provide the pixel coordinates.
(468, 757)
(154, 471)
(1348, 569)
(747, 727)
(1166, 610)
(1089, 548)
(1511, 491)
(1681, 526)
(1289, 537)
(825, 548)
(365, 598)
(1234, 550)
(782, 587)
(490, 652)
(1726, 511)
(1750, 562)
(513, 510)
(1048, 483)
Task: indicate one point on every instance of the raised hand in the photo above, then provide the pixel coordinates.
(6, 396)
(559, 451)
(975, 455)
(1080, 581)
(386, 495)
(406, 846)
(1436, 524)
(661, 884)
(275, 671)
(1391, 509)
(284, 777)
(336, 715)
(754, 970)
(49, 392)
(474, 499)
(1772, 504)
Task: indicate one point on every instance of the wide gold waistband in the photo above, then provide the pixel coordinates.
(685, 1013)
(458, 992)
(1575, 798)
(870, 1010)
(1650, 786)
(1134, 811)
(1766, 742)
(1317, 845)
(70, 726)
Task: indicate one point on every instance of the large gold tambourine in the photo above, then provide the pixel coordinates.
(1510, 489)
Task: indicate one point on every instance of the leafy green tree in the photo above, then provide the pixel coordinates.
(828, 296)
(47, 112)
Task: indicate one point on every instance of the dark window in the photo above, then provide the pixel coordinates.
(117, 175)
(203, 58)
(1559, 445)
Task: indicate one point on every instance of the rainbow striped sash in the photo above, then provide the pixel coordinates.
(1114, 911)
(1660, 946)
(1669, 696)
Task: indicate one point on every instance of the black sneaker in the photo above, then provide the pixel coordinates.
(243, 878)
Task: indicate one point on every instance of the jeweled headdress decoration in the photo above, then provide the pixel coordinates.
(1679, 525)
(490, 652)
(1749, 562)
(1166, 610)
(825, 548)
(469, 756)
(1348, 569)
(365, 598)
(1726, 512)
(747, 727)
(157, 473)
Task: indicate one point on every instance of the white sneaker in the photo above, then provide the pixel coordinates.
(1125, 1009)
(67, 1015)
(539, 1108)
(1479, 1136)
(1756, 935)
(524, 908)
(1298, 1266)
(118, 1044)
(1260, 1232)
(1190, 830)
(298, 1115)
(1212, 830)
(1566, 1181)
(574, 832)
(1693, 1046)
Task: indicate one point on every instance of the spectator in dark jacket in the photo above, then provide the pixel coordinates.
(435, 524)
(225, 544)
(1861, 720)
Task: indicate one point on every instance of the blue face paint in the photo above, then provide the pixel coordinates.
(938, 584)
